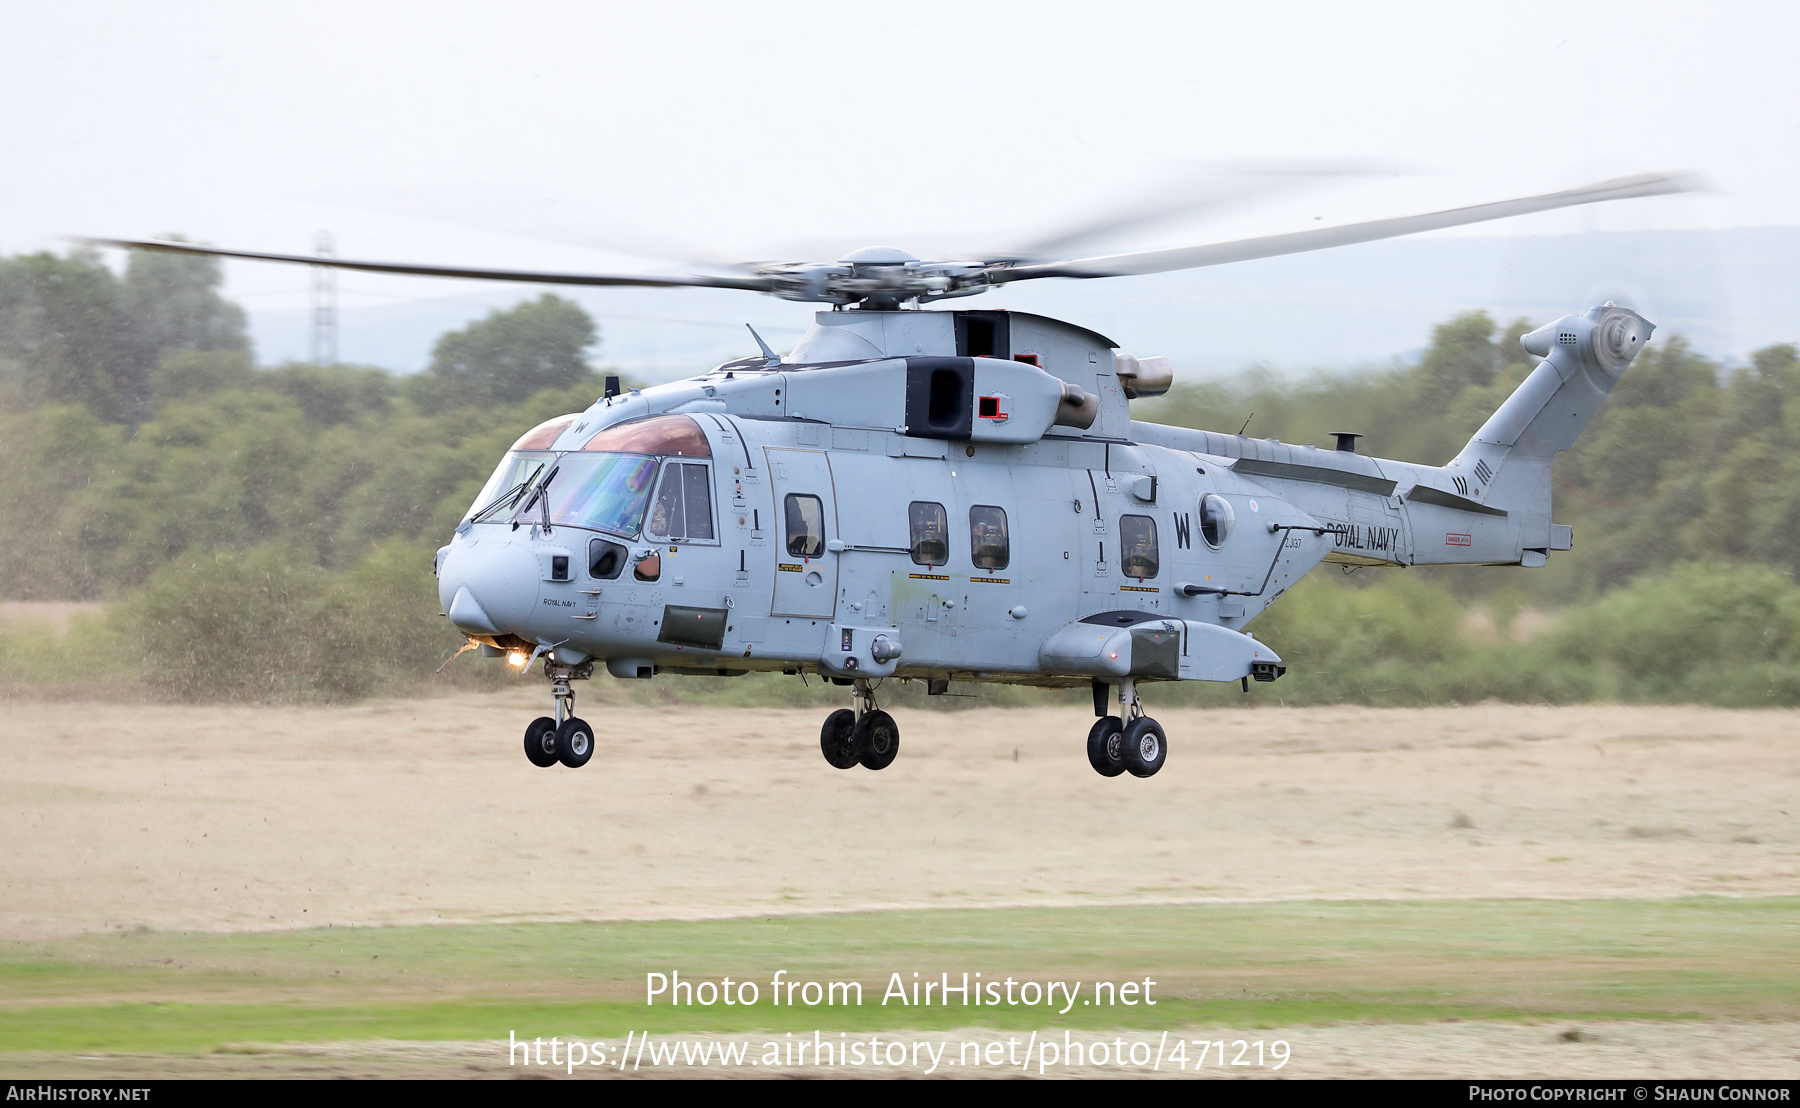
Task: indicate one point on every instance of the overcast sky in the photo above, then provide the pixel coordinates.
(635, 137)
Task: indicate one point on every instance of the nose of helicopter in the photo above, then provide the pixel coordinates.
(488, 585)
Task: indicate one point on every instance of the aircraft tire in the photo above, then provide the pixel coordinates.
(879, 738)
(838, 739)
(1143, 747)
(1103, 747)
(574, 742)
(540, 742)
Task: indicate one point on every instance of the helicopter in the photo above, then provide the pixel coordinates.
(933, 495)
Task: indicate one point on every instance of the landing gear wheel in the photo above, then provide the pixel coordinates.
(838, 739)
(879, 737)
(540, 742)
(1103, 747)
(1143, 747)
(574, 743)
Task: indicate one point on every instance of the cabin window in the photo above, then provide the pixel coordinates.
(1216, 518)
(805, 526)
(1137, 546)
(683, 507)
(605, 559)
(989, 547)
(930, 528)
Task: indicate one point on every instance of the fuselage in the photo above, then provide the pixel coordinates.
(786, 516)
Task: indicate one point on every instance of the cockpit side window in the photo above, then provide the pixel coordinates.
(805, 525)
(697, 491)
(1137, 541)
(683, 506)
(605, 559)
(930, 528)
(989, 545)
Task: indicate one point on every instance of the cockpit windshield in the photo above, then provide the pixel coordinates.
(607, 492)
(517, 471)
(604, 486)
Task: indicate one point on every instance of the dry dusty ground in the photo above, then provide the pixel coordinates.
(234, 818)
(121, 815)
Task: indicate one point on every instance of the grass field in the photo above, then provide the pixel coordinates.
(390, 889)
(1261, 965)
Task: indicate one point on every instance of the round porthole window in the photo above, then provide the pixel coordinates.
(1216, 518)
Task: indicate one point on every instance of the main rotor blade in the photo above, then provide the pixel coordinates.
(1214, 187)
(1269, 246)
(752, 284)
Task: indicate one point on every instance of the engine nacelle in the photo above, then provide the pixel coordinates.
(1152, 376)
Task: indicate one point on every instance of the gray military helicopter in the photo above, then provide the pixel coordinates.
(935, 495)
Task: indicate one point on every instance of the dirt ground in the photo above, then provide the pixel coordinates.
(120, 815)
(116, 816)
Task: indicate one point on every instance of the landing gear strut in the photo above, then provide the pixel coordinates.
(862, 735)
(1135, 742)
(567, 738)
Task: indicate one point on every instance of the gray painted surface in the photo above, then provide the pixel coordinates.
(1079, 508)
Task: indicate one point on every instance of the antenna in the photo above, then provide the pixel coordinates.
(774, 359)
(1246, 425)
(324, 313)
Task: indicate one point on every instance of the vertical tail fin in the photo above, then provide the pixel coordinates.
(1505, 468)
(1584, 356)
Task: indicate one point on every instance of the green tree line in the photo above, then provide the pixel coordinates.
(267, 532)
(137, 431)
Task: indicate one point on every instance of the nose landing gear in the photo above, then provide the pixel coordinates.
(1136, 743)
(864, 735)
(567, 738)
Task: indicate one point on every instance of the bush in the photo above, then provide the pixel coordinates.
(1704, 632)
(262, 625)
(91, 652)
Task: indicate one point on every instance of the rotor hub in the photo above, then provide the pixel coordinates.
(878, 276)
(877, 256)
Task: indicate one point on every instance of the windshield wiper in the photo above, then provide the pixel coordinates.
(540, 496)
(511, 495)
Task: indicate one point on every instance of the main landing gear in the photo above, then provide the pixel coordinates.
(567, 738)
(1137, 744)
(862, 735)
